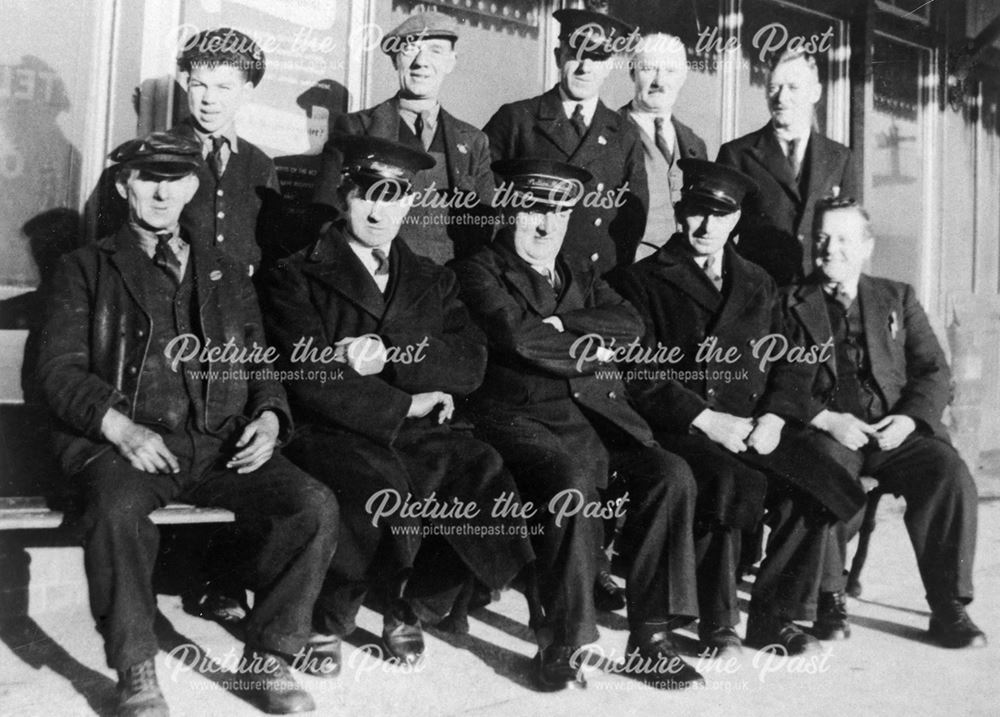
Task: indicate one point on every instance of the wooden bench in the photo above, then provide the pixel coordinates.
(34, 512)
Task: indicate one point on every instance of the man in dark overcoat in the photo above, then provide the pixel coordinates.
(570, 123)
(451, 215)
(562, 429)
(720, 401)
(379, 346)
(793, 167)
(147, 410)
(875, 405)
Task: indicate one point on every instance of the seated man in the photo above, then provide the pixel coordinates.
(724, 411)
(875, 406)
(143, 420)
(561, 430)
(380, 344)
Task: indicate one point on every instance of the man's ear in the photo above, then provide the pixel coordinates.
(121, 182)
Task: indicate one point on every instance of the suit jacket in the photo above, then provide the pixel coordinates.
(96, 336)
(534, 370)
(468, 165)
(611, 151)
(324, 293)
(907, 363)
(776, 226)
(689, 144)
(680, 308)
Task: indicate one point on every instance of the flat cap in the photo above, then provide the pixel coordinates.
(713, 187)
(420, 26)
(544, 182)
(593, 33)
(380, 165)
(163, 154)
(224, 46)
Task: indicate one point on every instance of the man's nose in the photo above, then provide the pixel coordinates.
(162, 189)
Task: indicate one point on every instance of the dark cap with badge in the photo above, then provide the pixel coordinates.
(420, 26)
(381, 165)
(539, 183)
(164, 155)
(712, 187)
(224, 46)
(592, 33)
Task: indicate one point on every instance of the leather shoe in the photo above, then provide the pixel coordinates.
(402, 634)
(608, 596)
(655, 661)
(320, 657)
(951, 626)
(719, 639)
(226, 605)
(831, 617)
(557, 667)
(271, 686)
(139, 692)
(769, 632)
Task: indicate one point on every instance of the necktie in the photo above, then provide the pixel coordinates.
(383, 262)
(421, 129)
(793, 157)
(215, 156)
(661, 140)
(165, 258)
(713, 276)
(840, 296)
(579, 124)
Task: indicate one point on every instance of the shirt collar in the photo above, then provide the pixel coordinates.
(589, 107)
(364, 253)
(849, 288)
(430, 107)
(148, 239)
(700, 260)
(647, 121)
(785, 136)
(229, 134)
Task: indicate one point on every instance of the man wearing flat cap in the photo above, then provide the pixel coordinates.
(550, 322)
(143, 417)
(384, 349)
(716, 403)
(450, 215)
(570, 123)
(219, 70)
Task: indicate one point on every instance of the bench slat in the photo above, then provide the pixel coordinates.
(30, 512)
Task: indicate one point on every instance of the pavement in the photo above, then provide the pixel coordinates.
(51, 662)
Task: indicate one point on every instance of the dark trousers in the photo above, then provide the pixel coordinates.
(655, 539)
(733, 491)
(288, 519)
(940, 517)
(427, 459)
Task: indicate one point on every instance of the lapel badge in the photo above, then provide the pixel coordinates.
(215, 275)
(594, 257)
(462, 148)
(601, 140)
(893, 325)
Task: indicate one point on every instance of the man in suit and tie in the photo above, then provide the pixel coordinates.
(793, 166)
(562, 429)
(875, 406)
(422, 50)
(724, 411)
(569, 123)
(380, 345)
(142, 418)
(658, 69)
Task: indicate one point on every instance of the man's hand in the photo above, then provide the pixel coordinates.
(257, 442)
(423, 403)
(365, 354)
(847, 429)
(893, 430)
(766, 434)
(723, 428)
(143, 448)
(555, 322)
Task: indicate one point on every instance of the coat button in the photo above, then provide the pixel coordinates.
(598, 222)
(140, 333)
(612, 395)
(600, 186)
(132, 370)
(711, 392)
(219, 192)
(753, 396)
(219, 237)
(576, 394)
(221, 215)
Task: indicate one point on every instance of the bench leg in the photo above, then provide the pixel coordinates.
(864, 538)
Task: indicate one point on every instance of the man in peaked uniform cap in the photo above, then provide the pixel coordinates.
(569, 123)
(422, 50)
(142, 421)
(562, 430)
(386, 346)
(724, 412)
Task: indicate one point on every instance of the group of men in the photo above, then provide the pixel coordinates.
(575, 361)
